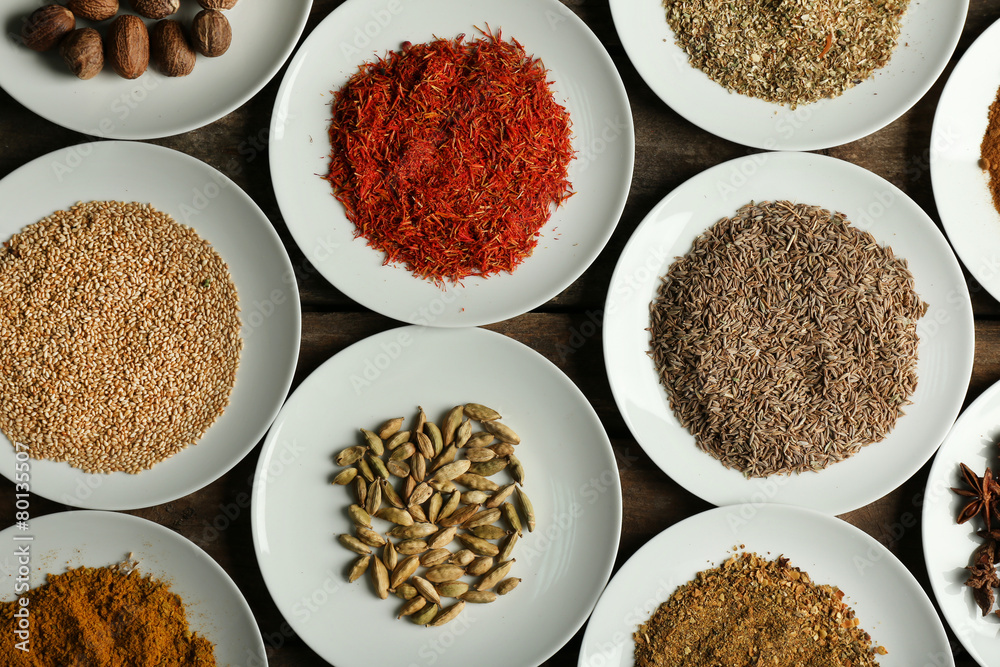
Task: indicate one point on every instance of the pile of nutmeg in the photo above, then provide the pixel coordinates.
(129, 46)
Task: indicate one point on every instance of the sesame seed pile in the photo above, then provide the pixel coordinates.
(121, 336)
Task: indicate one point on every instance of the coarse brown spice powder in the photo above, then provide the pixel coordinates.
(786, 51)
(786, 338)
(752, 611)
(121, 337)
(989, 151)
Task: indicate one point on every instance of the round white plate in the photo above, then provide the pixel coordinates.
(948, 546)
(197, 195)
(572, 479)
(888, 601)
(871, 204)
(961, 188)
(584, 80)
(214, 606)
(929, 33)
(153, 105)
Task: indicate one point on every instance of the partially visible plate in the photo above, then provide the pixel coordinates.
(961, 187)
(197, 195)
(888, 601)
(929, 34)
(572, 479)
(871, 204)
(214, 606)
(585, 81)
(948, 546)
(154, 105)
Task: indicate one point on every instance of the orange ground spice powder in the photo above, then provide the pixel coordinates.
(107, 616)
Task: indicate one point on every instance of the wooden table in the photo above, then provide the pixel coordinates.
(669, 150)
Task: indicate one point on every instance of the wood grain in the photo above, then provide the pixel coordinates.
(669, 150)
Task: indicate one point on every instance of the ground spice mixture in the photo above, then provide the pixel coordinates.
(786, 338)
(752, 611)
(989, 151)
(107, 617)
(121, 336)
(449, 156)
(787, 51)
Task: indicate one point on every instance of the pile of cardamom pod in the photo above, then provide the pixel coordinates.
(433, 485)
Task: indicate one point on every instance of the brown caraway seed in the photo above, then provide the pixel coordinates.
(786, 339)
(121, 337)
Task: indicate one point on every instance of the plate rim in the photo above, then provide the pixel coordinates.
(711, 174)
(175, 129)
(303, 242)
(976, 270)
(257, 506)
(268, 230)
(732, 133)
(759, 513)
(162, 532)
(935, 479)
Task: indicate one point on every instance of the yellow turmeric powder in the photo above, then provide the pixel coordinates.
(106, 616)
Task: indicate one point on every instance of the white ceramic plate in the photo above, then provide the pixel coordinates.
(961, 188)
(197, 195)
(572, 479)
(153, 105)
(214, 606)
(871, 204)
(888, 601)
(948, 546)
(584, 80)
(929, 33)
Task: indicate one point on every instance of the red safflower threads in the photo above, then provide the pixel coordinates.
(450, 155)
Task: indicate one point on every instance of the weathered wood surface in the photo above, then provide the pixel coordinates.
(669, 150)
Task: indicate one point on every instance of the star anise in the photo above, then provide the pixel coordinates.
(983, 579)
(990, 537)
(980, 492)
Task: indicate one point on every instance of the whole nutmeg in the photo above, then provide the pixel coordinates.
(128, 46)
(211, 33)
(83, 51)
(156, 9)
(171, 53)
(45, 26)
(217, 4)
(93, 10)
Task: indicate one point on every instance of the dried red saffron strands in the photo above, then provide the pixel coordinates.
(448, 156)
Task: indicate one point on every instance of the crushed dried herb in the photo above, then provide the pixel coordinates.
(786, 338)
(787, 51)
(449, 156)
(107, 616)
(752, 611)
